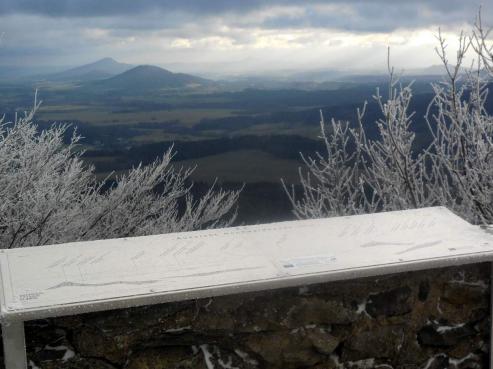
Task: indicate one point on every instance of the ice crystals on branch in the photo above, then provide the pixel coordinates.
(49, 195)
(358, 174)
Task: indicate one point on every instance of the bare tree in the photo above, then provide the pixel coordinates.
(330, 187)
(393, 174)
(462, 130)
(358, 174)
(482, 47)
(49, 195)
(385, 173)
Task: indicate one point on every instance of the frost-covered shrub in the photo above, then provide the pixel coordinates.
(357, 174)
(49, 195)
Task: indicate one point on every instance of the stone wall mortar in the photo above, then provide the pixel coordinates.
(429, 319)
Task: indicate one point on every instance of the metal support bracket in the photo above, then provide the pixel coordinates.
(14, 345)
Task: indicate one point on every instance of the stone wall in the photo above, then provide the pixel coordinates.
(433, 319)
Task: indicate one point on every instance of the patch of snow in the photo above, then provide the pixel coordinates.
(445, 328)
(69, 354)
(245, 357)
(482, 284)
(431, 360)
(212, 354)
(462, 280)
(206, 306)
(362, 309)
(439, 309)
(207, 356)
(457, 362)
(303, 290)
(32, 365)
(454, 363)
(228, 364)
(401, 343)
(178, 330)
(361, 364)
(335, 359)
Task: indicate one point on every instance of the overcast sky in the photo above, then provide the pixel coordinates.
(231, 36)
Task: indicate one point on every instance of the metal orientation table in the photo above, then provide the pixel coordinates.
(80, 277)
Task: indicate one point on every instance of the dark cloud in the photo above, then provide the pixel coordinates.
(378, 16)
(202, 16)
(119, 7)
(369, 15)
(78, 31)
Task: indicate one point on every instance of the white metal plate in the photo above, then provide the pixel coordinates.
(88, 276)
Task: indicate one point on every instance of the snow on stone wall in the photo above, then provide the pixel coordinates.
(429, 319)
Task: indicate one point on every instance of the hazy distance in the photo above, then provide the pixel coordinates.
(224, 39)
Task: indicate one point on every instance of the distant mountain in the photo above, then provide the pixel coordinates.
(432, 70)
(101, 69)
(148, 77)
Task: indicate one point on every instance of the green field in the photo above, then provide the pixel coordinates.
(99, 115)
(243, 166)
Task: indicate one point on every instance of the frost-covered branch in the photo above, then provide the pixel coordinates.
(49, 195)
(391, 170)
(358, 174)
(385, 173)
(330, 186)
(462, 128)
